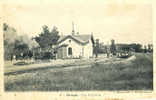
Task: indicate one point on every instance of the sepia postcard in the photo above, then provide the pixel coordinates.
(77, 50)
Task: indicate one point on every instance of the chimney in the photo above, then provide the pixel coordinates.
(73, 31)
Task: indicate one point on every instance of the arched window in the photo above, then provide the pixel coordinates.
(69, 51)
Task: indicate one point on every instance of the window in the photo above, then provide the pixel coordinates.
(69, 41)
(69, 51)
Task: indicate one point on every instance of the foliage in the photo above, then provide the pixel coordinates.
(47, 38)
(15, 44)
(113, 47)
(150, 48)
(96, 47)
(9, 34)
(5, 27)
(20, 47)
(43, 55)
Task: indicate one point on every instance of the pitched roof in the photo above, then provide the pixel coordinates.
(82, 39)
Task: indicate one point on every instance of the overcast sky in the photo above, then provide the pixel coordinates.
(124, 22)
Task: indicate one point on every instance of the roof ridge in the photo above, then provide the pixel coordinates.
(83, 39)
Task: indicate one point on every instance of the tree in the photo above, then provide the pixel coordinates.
(9, 35)
(145, 49)
(150, 48)
(14, 44)
(113, 47)
(5, 27)
(138, 48)
(21, 49)
(96, 48)
(20, 46)
(47, 38)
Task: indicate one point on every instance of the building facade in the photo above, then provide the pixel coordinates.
(75, 46)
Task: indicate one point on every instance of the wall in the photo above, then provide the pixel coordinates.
(78, 49)
(88, 50)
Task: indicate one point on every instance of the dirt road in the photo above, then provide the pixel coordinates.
(61, 64)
